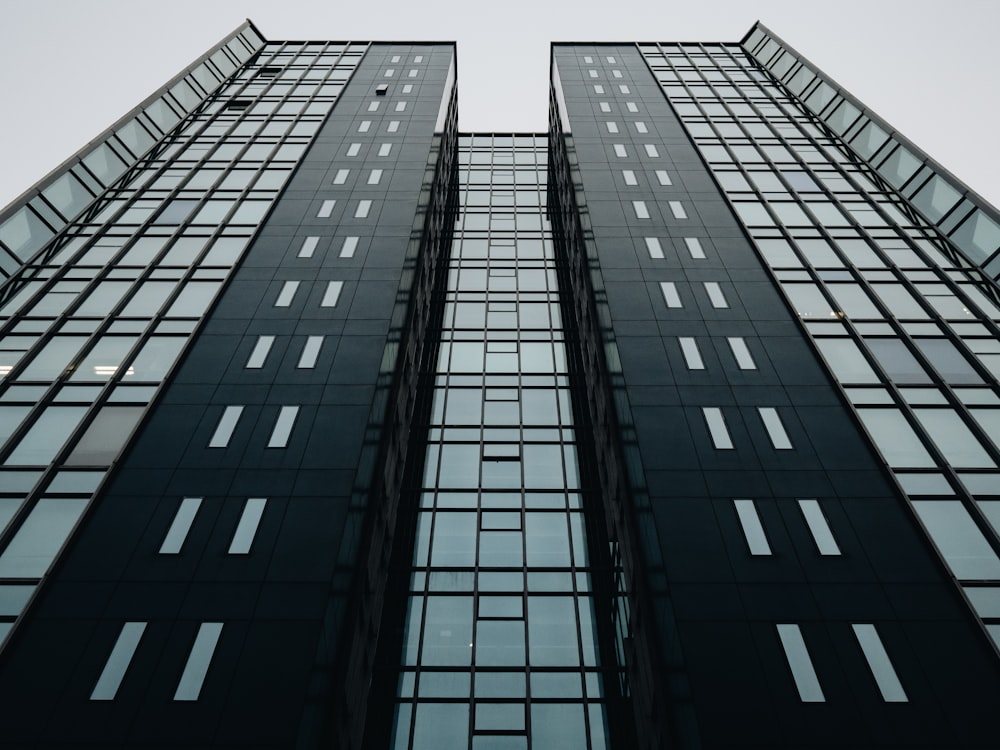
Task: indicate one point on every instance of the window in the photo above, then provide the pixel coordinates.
(259, 354)
(310, 352)
(384, 149)
(349, 246)
(246, 529)
(717, 427)
(958, 539)
(412, 73)
(400, 106)
(180, 526)
(354, 149)
(407, 88)
(373, 106)
(283, 427)
(612, 127)
(611, 60)
(753, 529)
(715, 295)
(653, 247)
(394, 59)
(616, 73)
(193, 676)
(651, 151)
(878, 661)
(598, 88)
(382, 89)
(375, 177)
(694, 248)
(620, 151)
(308, 247)
(623, 88)
(677, 210)
(741, 353)
(640, 127)
(393, 126)
(692, 356)
(592, 73)
(605, 107)
(364, 207)
(118, 662)
(662, 177)
(325, 209)
(670, 296)
(631, 107)
(224, 429)
(287, 294)
(641, 212)
(629, 177)
(588, 59)
(389, 73)
(341, 177)
(806, 681)
(332, 294)
(418, 58)
(819, 528)
(365, 126)
(775, 429)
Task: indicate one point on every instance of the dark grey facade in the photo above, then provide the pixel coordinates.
(325, 425)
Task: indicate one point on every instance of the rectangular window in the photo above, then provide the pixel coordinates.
(694, 248)
(365, 126)
(598, 88)
(741, 353)
(605, 107)
(407, 88)
(118, 661)
(259, 354)
(775, 429)
(715, 295)
(349, 246)
(653, 247)
(412, 73)
(640, 127)
(384, 149)
(651, 151)
(364, 207)
(612, 127)
(717, 428)
(246, 529)
(616, 73)
(287, 294)
(588, 59)
(375, 177)
(224, 429)
(819, 528)
(389, 73)
(611, 60)
(662, 177)
(180, 526)
(283, 427)
(641, 212)
(373, 106)
(354, 149)
(393, 126)
(670, 295)
(341, 177)
(325, 209)
(692, 355)
(629, 176)
(332, 294)
(400, 106)
(677, 209)
(806, 681)
(193, 676)
(310, 352)
(878, 661)
(753, 529)
(620, 151)
(592, 73)
(623, 88)
(308, 247)
(418, 59)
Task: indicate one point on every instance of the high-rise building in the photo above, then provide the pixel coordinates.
(323, 424)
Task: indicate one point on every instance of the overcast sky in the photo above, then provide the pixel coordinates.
(70, 68)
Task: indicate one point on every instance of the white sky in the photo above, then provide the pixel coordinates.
(72, 67)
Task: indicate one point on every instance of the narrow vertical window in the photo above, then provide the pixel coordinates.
(180, 526)
(259, 354)
(640, 127)
(753, 529)
(364, 207)
(629, 176)
(694, 248)
(310, 352)
(620, 151)
(365, 126)
(741, 353)
(349, 246)
(400, 106)
(393, 126)
(631, 106)
(283, 427)
(384, 149)
(287, 294)
(193, 676)
(651, 150)
(118, 661)
(717, 428)
(677, 209)
(325, 209)
(692, 355)
(612, 127)
(308, 247)
(878, 661)
(354, 149)
(663, 178)
(623, 88)
(224, 429)
(715, 295)
(332, 294)
(670, 296)
(341, 177)
(818, 527)
(803, 672)
(375, 177)
(246, 529)
(641, 212)
(775, 429)
(653, 247)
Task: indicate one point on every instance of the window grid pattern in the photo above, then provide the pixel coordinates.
(500, 642)
(906, 326)
(93, 328)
